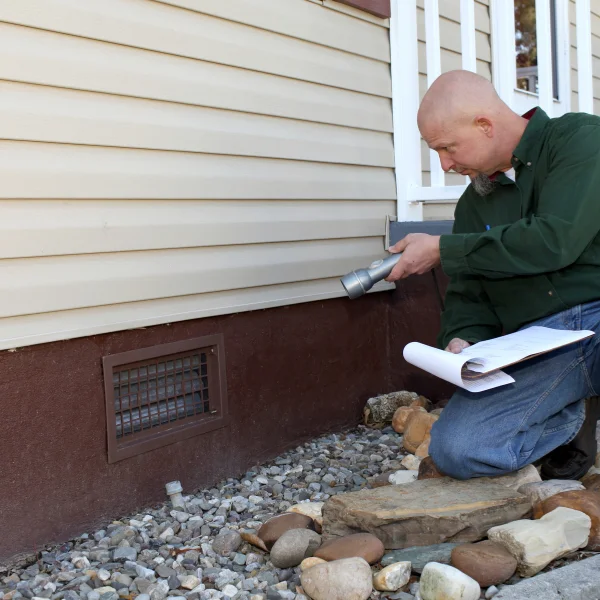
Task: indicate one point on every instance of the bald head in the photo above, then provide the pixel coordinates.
(474, 132)
(458, 97)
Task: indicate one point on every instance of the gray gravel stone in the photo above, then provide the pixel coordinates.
(137, 554)
(293, 547)
(125, 554)
(577, 581)
(163, 571)
(227, 542)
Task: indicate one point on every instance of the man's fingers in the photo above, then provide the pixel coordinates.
(456, 346)
(398, 272)
(401, 245)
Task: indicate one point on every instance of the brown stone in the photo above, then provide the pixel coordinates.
(357, 545)
(425, 512)
(584, 501)
(402, 415)
(428, 469)
(423, 450)
(380, 480)
(274, 528)
(422, 402)
(486, 562)
(592, 482)
(416, 429)
(253, 539)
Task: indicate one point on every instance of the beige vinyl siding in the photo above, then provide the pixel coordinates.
(595, 25)
(451, 59)
(175, 159)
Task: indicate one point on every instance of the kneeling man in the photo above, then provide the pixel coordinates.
(525, 250)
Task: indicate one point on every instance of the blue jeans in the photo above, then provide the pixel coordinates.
(504, 429)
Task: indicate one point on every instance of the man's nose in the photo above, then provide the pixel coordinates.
(447, 163)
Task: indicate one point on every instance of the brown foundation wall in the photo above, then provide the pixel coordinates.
(292, 373)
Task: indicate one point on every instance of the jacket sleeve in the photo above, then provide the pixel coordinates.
(567, 220)
(468, 313)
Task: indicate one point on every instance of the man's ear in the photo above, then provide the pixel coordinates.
(484, 124)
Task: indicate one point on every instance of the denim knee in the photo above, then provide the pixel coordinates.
(452, 452)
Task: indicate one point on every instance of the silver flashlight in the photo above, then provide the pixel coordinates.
(361, 281)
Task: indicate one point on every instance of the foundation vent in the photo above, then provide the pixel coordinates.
(163, 394)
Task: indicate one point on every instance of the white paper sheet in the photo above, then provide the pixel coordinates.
(448, 366)
(512, 348)
(490, 356)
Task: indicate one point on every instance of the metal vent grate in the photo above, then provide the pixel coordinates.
(160, 395)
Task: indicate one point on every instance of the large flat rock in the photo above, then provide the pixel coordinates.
(425, 512)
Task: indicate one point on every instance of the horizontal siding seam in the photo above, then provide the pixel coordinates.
(204, 153)
(287, 35)
(213, 247)
(174, 54)
(210, 106)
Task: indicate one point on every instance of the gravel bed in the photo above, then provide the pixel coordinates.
(166, 553)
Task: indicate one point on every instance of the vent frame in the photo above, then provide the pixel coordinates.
(173, 430)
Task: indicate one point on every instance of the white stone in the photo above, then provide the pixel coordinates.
(597, 463)
(542, 490)
(168, 532)
(103, 575)
(491, 592)
(190, 582)
(593, 471)
(181, 516)
(81, 562)
(411, 462)
(515, 480)
(536, 543)
(230, 590)
(393, 577)
(314, 510)
(137, 524)
(144, 572)
(440, 581)
(402, 477)
(344, 579)
(157, 591)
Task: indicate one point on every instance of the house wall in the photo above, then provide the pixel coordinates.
(175, 159)
(293, 373)
(595, 26)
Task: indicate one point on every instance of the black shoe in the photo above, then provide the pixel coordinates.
(574, 460)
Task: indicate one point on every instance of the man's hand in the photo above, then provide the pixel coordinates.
(456, 346)
(420, 253)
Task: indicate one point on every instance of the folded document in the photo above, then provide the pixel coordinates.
(477, 368)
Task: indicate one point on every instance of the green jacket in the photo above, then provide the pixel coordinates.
(541, 254)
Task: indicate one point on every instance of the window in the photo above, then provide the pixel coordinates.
(160, 395)
(526, 47)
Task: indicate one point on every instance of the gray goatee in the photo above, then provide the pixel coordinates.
(483, 185)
